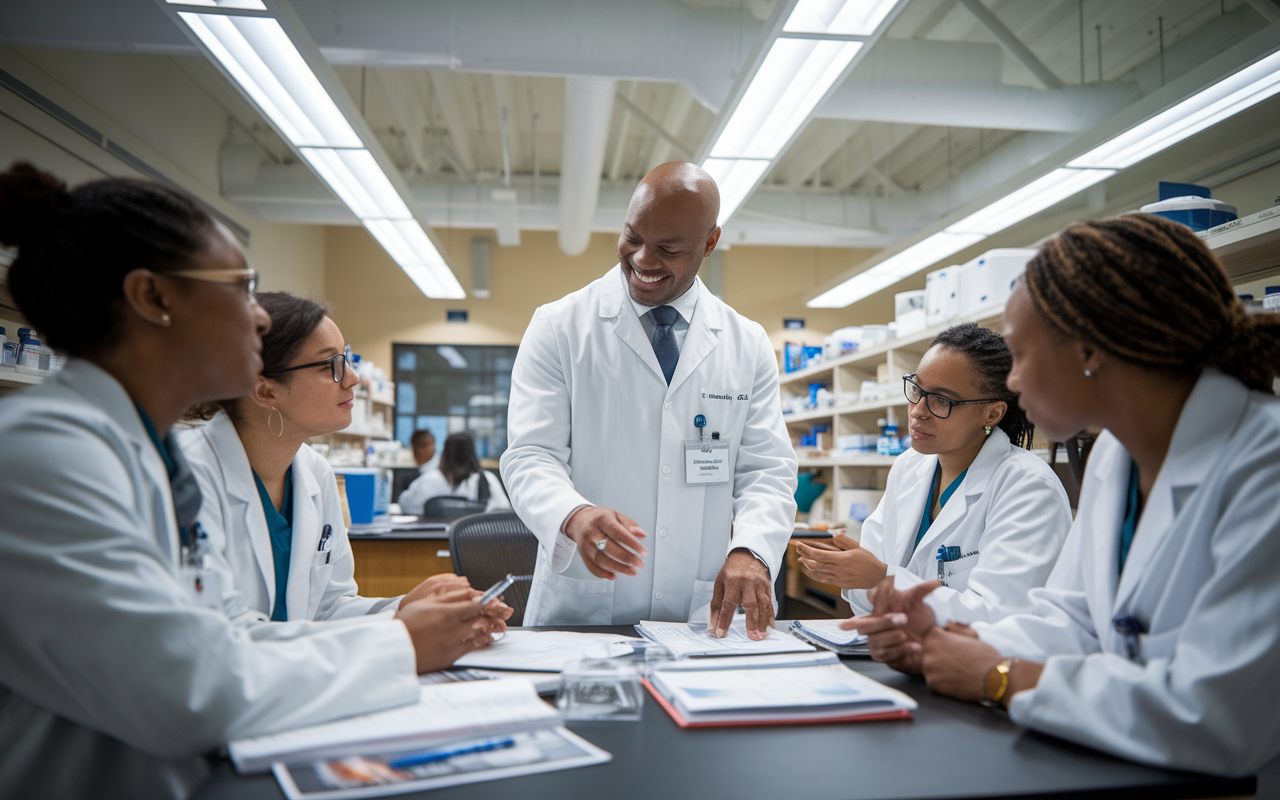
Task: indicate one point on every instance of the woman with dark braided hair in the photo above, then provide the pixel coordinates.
(967, 504)
(1157, 637)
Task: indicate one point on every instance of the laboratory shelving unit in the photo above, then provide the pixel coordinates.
(372, 418)
(1249, 251)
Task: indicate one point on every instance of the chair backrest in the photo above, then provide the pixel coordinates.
(485, 547)
(401, 477)
(450, 507)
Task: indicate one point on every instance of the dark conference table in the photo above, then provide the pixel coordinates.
(950, 749)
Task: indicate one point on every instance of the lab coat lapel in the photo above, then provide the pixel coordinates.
(994, 449)
(617, 313)
(1207, 422)
(907, 510)
(306, 540)
(243, 501)
(701, 339)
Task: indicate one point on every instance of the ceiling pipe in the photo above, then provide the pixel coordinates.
(588, 107)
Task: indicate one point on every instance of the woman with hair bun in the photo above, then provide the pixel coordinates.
(1157, 637)
(967, 504)
(116, 675)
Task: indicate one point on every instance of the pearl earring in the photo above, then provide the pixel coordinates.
(164, 318)
(1088, 373)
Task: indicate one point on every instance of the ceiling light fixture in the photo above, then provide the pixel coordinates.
(256, 52)
(1226, 98)
(798, 71)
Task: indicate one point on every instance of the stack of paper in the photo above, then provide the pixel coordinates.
(827, 633)
(537, 651)
(782, 690)
(445, 712)
(684, 642)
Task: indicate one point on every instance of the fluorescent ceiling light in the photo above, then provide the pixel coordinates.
(261, 58)
(839, 17)
(249, 5)
(795, 76)
(358, 182)
(736, 177)
(894, 268)
(1045, 191)
(410, 247)
(1227, 97)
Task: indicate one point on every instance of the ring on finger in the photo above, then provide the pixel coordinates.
(602, 544)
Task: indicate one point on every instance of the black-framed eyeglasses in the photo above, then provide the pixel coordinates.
(939, 405)
(337, 364)
(248, 277)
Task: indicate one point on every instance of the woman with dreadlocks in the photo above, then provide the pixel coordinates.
(1157, 637)
(967, 505)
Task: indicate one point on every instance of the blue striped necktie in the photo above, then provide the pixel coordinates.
(664, 339)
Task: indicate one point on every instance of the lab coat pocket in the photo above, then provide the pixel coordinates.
(700, 605)
(573, 601)
(1152, 646)
(320, 574)
(957, 572)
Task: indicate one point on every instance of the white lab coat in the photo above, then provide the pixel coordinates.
(113, 679)
(1009, 517)
(432, 483)
(240, 543)
(592, 420)
(1201, 578)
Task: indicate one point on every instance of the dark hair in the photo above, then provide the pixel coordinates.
(1150, 292)
(76, 247)
(420, 437)
(458, 459)
(293, 320)
(990, 356)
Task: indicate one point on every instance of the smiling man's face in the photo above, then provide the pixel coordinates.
(670, 228)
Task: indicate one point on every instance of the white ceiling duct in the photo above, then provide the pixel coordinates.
(588, 107)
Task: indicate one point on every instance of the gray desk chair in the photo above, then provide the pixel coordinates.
(447, 508)
(485, 547)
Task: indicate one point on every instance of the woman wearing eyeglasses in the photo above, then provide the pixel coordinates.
(967, 505)
(116, 678)
(277, 541)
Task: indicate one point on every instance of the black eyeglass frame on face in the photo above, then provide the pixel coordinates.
(247, 278)
(336, 364)
(908, 382)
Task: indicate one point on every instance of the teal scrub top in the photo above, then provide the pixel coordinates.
(280, 526)
(925, 522)
(1131, 511)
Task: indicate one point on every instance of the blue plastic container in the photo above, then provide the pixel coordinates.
(1197, 213)
(362, 493)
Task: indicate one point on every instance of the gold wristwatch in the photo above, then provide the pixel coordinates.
(997, 683)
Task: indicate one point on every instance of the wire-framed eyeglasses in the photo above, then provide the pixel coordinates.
(939, 405)
(336, 364)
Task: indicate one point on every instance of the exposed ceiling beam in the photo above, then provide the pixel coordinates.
(447, 99)
(677, 113)
(620, 140)
(801, 165)
(628, 104)
(869, 148)
(409, 113)
(1012, 43)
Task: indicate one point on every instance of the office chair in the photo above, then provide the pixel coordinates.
(485, 547)
(401, 477)
(447, 508)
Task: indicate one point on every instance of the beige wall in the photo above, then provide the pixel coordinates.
(288, 258)
(375, 304)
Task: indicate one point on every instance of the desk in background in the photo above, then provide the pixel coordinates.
(951, 749)
(391, 561)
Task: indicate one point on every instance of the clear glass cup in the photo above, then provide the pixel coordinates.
(600, 689)
(643, 654)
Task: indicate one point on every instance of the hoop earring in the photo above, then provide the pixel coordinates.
(269, 413)
(988, 429)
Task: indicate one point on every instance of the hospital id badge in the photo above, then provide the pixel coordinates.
(204, 585)
(706, 462)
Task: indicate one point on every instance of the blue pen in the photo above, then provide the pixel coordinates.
(432, 756)
(324, 539)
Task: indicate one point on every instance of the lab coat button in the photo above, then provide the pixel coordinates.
(667, 406)
(658, 595)
(666, 469)
(662, 532)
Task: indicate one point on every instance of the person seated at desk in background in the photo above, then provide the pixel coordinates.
(115, 677)
(1157, 637)
(459, 475)
(609, 386)
(278, 547)
(422, 443)
(967, 504)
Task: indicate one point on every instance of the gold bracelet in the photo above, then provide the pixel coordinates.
(997, 682)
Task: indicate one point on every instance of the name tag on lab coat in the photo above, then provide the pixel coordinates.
(706, 462)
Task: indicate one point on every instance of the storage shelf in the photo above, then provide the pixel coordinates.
(9, 379)
(856, 408)
(852, 460)
(876, 353)
(1251, 250)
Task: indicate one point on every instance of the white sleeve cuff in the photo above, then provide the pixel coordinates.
(562, 555)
